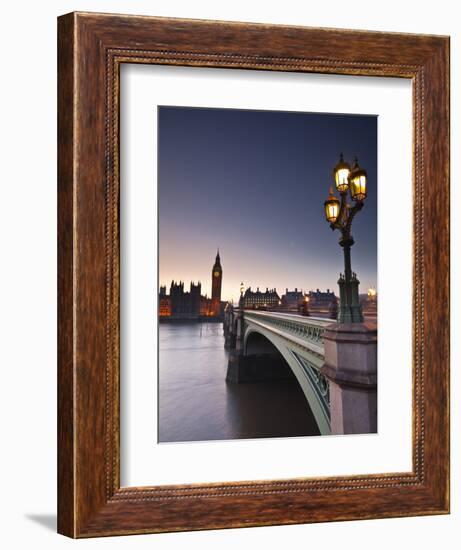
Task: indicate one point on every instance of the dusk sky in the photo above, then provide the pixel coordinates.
(253, 183)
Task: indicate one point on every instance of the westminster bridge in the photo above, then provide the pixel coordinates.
(335, 364)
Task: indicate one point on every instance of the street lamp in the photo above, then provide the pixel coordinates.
(305, 309)
(241, 300)
(340, 216)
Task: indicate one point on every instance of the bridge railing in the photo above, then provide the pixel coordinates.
(306, 328)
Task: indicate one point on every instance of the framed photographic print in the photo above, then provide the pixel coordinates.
(253, 275)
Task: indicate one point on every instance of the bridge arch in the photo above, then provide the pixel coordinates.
(257, 339)
(255, 343)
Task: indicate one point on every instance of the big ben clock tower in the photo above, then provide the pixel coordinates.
(216, 282)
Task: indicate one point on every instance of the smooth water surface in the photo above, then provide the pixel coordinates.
(197, 404)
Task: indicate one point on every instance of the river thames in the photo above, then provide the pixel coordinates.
(197, 404)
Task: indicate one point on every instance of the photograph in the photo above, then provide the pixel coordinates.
(267, 274)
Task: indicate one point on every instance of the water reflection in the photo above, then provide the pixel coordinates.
(197, 404)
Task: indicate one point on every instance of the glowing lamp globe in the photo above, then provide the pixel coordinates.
(331, 208)
(358, 183)
(341, 174)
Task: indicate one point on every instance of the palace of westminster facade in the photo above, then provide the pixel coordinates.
(191, 305)
(181, 304)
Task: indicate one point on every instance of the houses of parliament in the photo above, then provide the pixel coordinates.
(181, 304)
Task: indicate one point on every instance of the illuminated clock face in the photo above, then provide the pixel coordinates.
(216, 273)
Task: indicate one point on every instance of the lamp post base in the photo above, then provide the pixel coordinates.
(350, 310)
(350, 314)
(351, 368)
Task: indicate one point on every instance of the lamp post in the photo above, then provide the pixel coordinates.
(305, 308)
(242, 290)
(340, 215)
(239, 321)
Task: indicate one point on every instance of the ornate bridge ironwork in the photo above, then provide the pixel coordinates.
(305, 332)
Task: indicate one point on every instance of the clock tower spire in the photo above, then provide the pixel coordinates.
(216, 283)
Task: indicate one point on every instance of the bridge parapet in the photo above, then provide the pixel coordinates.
(307, 328)
(306, 332)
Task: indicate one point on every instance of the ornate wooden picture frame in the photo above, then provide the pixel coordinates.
(92, 48)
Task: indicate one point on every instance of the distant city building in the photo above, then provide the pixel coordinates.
(261, 300)
(293, 299)
(322, 304)
(315, 303)
(189, 305)
(164, 303)
(185, 305)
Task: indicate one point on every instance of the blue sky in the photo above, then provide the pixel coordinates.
(253, 183)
